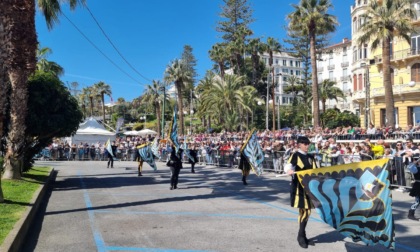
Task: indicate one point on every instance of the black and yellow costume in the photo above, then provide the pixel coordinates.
(298, 198)
(245, 167)
(140, 161)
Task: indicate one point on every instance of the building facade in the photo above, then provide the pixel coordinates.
(335, 65)
(285, 66)
(369, 92)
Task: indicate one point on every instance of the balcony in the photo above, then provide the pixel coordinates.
(399, 89)
(331, 67)
(400, 55)
(345, 78)
(345, 64)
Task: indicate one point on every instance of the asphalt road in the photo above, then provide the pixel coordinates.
(92, 208)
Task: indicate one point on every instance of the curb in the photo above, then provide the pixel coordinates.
(16, 237)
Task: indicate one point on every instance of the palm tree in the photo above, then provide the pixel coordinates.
(311, 18)
(203, 85)
(45, 65)
(272, 46)
(218, 54)
(177, 73)
(103, 89)
(154, 95)
(328, 91)
(384, 21)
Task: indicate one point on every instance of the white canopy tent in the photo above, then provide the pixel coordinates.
(145, 132)
(91, 132)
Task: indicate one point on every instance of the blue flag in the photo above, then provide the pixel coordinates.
(109, 148)
(355, 199)
(173, 131)
(146, 154)
(253, 152)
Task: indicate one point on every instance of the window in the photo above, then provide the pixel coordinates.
(330, 60)
(415, 44)
(284, 79)
(355, 83)
(354, 54)
(355, 24)
(277, 61)
(285, 70)
(415, 72)
(345, 60)
(360, 82)
(344, 73)
(291, 63)
(298, 72)
(297, 63)
(291, 100)
(291, 72)
(277, 70)
(331, 75)
(345, 88)
(284, 63)
(284, 100)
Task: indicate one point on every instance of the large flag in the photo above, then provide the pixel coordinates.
(187, 151)
(355, 199)
(155, 148)
(146, 154)
(173, 131)
(253, 153)
(109, 148)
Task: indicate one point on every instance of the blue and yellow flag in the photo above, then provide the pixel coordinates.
(253, 153)
(355, 199)
(146, 154)
(173, 131)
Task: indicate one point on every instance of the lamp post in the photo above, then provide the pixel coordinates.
(367, 94)
(163, 112)
(143, 117)
(278, 102)
(266, 99)
(191, 110)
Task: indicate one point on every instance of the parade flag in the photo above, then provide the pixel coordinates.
(155, 148)
(253, 153)
(355, 199)
(187, 151)
(173, 131)
(109, 148)
(146, 155)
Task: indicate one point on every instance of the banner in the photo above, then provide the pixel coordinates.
(109, 148)
(120, 122)
(355, 199)
(173, 131)
(146, 155)
(155, 148)
(253, 153)
(187, 151)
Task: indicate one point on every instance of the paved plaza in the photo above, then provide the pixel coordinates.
(92, 208)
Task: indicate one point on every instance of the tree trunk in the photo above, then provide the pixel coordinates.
(159, 128)
(91, 105)
(17, 18)
(180, 106)
(274, 101)
(103, 106)
(315, 96)
(389, 94)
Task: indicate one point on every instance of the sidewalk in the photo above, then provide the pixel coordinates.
(92, 208)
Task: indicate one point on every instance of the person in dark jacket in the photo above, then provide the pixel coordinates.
(245, 167)
(193, 153)
(111, 156)
(175, 165)
(138, 158)
(415, 192)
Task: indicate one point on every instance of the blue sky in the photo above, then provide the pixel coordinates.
(149, 34)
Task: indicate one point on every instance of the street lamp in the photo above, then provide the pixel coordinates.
(143, 117)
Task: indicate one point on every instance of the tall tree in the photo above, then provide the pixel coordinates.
(18, 57)
(177, 73)
(384, 21)
(103, 89)
(273, 46)
(154, 95)
(190, 61)
(236, 14)
(311, 18)
(255, 47)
